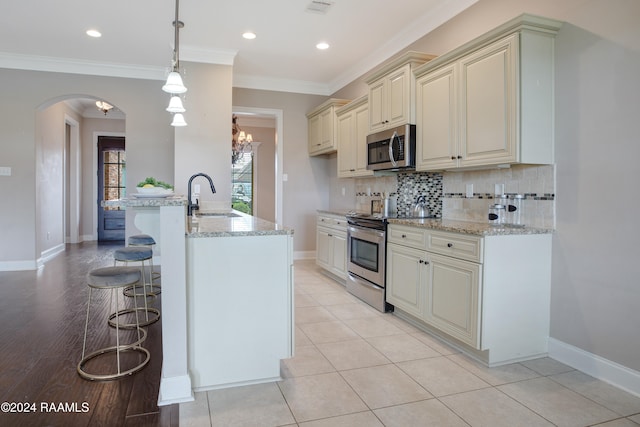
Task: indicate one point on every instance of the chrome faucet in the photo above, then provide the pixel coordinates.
(194, 206)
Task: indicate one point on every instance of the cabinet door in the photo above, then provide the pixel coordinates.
(453, 303)
(323, 248)
(406, 279)
(376, 105)
(398, 97)
(436, 120)
(326, 128)
(489, 104)
(314, 134)
(346, 146)
(361, 129)
(339, 254)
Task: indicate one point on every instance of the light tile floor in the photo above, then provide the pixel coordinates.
(355, 366)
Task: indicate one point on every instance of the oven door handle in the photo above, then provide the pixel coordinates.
(393, 160)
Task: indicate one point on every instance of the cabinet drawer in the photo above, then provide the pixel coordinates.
(333, 222)
(413, 237)
(461, 246)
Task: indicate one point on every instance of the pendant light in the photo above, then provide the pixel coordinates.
(178, 120)
(175, 105)
(174, 84)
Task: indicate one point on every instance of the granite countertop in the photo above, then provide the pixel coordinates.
(468, 227)
(150, 202)
(240, 224)
(456, 226)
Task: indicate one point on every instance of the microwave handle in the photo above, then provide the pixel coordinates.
(393, 161)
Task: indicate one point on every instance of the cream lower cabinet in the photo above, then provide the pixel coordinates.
(453, 303)
(487, 295)
(331, 244)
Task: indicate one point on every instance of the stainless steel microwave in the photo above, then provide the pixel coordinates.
(392, 149)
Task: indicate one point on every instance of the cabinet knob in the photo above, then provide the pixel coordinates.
(459, 157)
(404, 236)
(424, 262)
(449, 245)
(453, 157)
(330, 235)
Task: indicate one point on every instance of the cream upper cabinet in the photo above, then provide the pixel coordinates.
(437, 118)
(489, 102)
(322, 127)
(353, 126)
(392, 92)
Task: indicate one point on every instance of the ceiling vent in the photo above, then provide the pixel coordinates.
(319, 6)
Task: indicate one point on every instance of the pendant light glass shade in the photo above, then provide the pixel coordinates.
(178, 120)
(175, 105)
(174, 83)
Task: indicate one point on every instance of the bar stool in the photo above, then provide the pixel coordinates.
(113, 278)
(136, 254)
(146, 240)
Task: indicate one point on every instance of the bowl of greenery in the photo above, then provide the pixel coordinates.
(154, 186)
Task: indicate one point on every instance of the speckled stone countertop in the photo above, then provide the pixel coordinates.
(240, 225)
(468, 227)
(456, 226)
(146, 202)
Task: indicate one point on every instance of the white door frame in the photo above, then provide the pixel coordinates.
(74, 178)
(278, 116)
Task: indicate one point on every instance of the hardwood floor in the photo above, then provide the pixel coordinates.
(42, 315)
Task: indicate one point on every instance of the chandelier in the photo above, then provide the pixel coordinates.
(174, 84)
(240, 141)
(104, 106)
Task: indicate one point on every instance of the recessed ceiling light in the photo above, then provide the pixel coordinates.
(249, 35)
(322, 45)
(94, 33)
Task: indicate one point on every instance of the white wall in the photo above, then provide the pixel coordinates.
(149, 146)
(205, 144)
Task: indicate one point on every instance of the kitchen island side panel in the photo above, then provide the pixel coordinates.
(240, 309)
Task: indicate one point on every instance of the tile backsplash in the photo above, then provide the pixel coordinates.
(446, 192)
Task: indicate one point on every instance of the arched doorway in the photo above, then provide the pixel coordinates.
(66, 168)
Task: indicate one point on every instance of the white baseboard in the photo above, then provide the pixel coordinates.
(304, 255)
(49, 254)
(598, 367)
(175, 390)
(18, 265)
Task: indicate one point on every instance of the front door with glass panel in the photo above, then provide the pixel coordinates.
(111, 186)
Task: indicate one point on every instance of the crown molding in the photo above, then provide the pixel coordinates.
(280, 85)
(422, 26)
(78, 66)
(207, 56)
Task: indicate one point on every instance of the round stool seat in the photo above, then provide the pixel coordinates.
(141, 240)
(113, 277)
(133, 253)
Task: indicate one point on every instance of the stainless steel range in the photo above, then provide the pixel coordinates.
(366, 259)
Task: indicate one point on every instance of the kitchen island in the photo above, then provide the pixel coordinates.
(239, 299)
(227, 295)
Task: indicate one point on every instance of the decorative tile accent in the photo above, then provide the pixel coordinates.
(412, 185)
